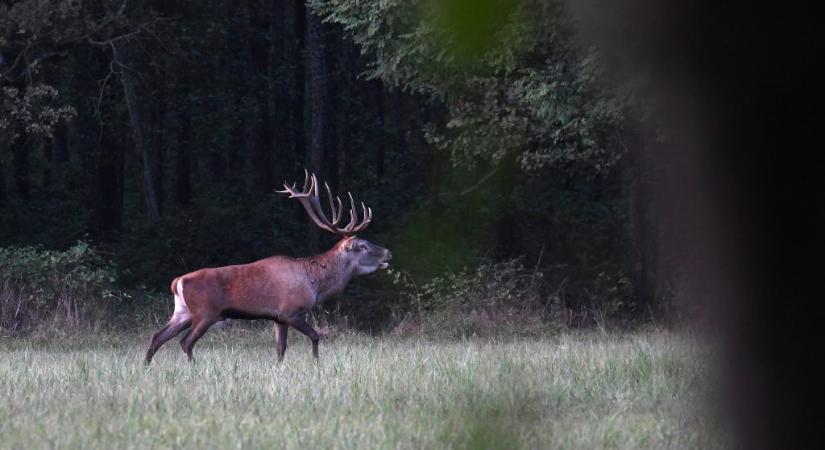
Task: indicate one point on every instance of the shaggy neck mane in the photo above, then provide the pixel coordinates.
(329, 272)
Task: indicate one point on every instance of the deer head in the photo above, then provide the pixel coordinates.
(364, 256)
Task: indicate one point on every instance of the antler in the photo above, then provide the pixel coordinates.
(308, 196)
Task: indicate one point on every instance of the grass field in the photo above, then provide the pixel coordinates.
(577, 390)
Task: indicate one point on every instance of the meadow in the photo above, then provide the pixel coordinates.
(642, 389)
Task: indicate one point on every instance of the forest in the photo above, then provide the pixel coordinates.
(155, 133)
(605, 221)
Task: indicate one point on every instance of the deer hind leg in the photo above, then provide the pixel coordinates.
(181, 319)
(170, 330)
(192, 336)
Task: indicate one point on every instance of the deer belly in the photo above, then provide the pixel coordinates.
(249, 312)
(247, 315)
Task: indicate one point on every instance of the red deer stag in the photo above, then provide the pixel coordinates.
(277, 288)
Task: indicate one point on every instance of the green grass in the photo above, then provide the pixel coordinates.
(578, 390)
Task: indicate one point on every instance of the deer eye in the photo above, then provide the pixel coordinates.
(363, 247)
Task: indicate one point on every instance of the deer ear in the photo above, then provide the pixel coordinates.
(349, 244)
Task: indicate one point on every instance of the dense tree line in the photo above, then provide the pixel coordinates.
(158, 131)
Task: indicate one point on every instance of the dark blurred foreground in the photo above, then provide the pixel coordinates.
(746, 192)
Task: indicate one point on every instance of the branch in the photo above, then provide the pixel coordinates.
(111, 41)
(472, 188)
(20, 56)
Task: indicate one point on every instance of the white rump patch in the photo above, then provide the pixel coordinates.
(181, 310)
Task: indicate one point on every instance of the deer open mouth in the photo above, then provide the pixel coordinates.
(386, 262)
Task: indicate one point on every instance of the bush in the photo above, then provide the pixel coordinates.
(494, 298)
(41, 287)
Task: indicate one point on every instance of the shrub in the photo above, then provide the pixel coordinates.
(493, 298)
(41, 287)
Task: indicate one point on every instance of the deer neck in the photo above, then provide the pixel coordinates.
(329, 273)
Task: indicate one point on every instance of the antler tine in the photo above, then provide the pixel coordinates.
(306, 199)
(313, 188)
(340, 211)
(316, 202)
(336, 214)
(288, 190)
(353, 214)
(309, 197)
(291, 190)
(367, 218)
(307, 180)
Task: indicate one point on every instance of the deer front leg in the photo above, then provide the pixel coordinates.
(280, 339)
(300, 324)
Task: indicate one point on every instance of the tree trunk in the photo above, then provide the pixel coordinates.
(340, 99)
(436, 115)
(158, 147)
(380, 130)
(293, 91)
(341, 145)
(394, 117)
(48, 155)
(260, 135)
(317, 101)
(183, 175)
(85, 132)
(317, 91)
(642, 226)
(238, 144)
(265, 180)
(109, 168)
(60, 156)
(286, 87)
(125, 57)
(20, 153)
(2, 185)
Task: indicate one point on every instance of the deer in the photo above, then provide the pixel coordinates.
(279, 288)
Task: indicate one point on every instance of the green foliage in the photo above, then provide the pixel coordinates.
(32, 32)
(495, 297)
(527, 95)
(611, 292)
(38, 19)
(35, 110)
(469, 29)
(490, 285)
(531, 92)
(39, 287)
